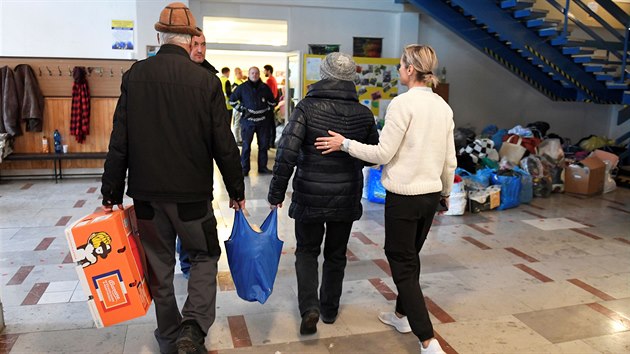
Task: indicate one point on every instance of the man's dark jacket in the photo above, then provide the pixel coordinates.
(325, 187)
(169, 125)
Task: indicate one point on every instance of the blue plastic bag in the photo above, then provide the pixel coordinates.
(375, 190)
(253, 257)
(527, 186)
(510, 190)
(478, 181)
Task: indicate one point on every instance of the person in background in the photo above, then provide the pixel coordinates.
(326, 189)
(273, 85)
(227, 90)
(198, 55)
(417, 150)
(239, 78)
(254, 99)
(198, 52)
(173, 195)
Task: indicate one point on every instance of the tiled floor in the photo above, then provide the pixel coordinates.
(550, 277)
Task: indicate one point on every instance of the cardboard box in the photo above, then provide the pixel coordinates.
(586, 177)
(110, 265)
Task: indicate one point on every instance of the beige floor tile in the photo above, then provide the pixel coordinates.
(549, 295)
(611, 344)
(479, 304)
(569, 323)
(102, 340)
(503, 334)
(615, 285)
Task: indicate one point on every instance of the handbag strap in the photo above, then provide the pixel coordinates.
(520, 140)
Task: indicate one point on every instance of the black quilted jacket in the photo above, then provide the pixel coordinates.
(325, 187)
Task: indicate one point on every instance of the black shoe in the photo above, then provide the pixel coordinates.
(264, 171)
(309, 322)
(190, 339)
(245, 173)
(328, 319)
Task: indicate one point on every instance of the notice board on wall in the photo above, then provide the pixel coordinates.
(377, 80)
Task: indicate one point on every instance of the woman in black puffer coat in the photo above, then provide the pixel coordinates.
(326, 188)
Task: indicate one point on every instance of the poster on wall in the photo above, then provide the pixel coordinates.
(367, 47)
(323, 49)
(376, 81)
(122, 33)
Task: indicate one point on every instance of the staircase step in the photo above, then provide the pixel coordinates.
(549, 31)
(560, 40)
(576, 51)
(540, 22)
(597, 68)
(604, 77)
(616, 85)
(530, 14)
(589, 58)
(517, 4)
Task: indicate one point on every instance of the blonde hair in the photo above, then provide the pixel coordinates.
(424, 61)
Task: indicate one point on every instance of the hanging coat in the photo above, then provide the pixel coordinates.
(9, 105)
(30, 98)
(80, 114)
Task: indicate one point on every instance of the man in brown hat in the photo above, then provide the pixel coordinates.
(169, 125)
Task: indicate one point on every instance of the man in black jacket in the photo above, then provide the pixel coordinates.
(254, 99)
(326, 188)
(170, 123)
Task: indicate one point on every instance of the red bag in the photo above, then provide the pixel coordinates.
(528, 143)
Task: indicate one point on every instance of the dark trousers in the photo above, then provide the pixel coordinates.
(159, 223)
(407, 223)
(248, 128)
(309, 239)
(271, 118)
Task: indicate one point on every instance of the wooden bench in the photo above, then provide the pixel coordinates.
(56, 159)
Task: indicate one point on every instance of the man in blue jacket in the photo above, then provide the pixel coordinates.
(254, 99)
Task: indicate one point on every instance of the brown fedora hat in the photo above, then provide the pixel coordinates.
(176, 18)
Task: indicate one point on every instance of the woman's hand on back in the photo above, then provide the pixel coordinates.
(330, 143)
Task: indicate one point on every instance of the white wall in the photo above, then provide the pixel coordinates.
(317, 22)
(483, 92)
(75, 29)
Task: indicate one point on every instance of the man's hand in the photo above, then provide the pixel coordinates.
(109, 208)
(279, 205)
(237, 205)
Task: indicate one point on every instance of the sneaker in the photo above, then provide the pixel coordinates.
(433, 348)
(309, 322)
(190, 339)
(390, 318)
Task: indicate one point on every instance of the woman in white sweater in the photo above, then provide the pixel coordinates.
(417, 150)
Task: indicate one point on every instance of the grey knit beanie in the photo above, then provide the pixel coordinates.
(338, 66)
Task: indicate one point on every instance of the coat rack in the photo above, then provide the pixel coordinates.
(55, 74)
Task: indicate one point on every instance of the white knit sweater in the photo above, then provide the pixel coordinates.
(416, 145)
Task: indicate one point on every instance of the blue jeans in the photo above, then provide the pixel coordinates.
(262, 130)
(184, 259)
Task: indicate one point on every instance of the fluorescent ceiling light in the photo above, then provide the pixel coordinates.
(251, 31)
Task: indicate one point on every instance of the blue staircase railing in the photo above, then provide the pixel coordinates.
(542, 51)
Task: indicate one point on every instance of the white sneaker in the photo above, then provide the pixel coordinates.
(433, 348)
(390, 318)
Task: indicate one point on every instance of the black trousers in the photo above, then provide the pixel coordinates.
(261, 129)
(309, 239)
(159, 223)
(407, 223)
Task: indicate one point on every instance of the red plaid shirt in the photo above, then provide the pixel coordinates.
(80, 114)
